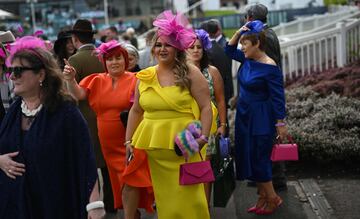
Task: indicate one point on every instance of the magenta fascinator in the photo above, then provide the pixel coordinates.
(26, 43)
(175, 30)
(203, 36)
(104, 48)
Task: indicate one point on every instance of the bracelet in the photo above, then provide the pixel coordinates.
(223, 124)
(94, 205)
(280, 124)
(127, 142)
(204, 138)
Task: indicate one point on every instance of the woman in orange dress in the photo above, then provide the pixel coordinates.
(109, 94)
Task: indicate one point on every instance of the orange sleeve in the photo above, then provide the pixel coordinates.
(92, 85)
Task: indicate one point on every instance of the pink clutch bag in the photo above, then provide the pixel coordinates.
(196, 172)
(285, 152)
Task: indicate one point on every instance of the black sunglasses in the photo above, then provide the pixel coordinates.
(17, 71)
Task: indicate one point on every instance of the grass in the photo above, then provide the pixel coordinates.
(218, 13)
(229, 32)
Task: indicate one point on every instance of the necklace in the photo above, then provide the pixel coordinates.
(27, 112)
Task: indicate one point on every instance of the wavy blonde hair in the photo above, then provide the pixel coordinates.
(180, 68)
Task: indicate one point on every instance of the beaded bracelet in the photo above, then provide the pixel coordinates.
(94, 205)
(204, 138)
(280, 124)
(127, 142)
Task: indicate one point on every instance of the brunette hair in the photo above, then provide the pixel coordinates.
(52, 90)
(254, 38)
(180, 69)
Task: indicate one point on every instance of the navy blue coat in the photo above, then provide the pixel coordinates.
(60, 165)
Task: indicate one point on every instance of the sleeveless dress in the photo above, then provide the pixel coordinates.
(167, 111)
(211, 148)
(107, 102)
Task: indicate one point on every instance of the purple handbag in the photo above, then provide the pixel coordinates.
(196, 172)
(285, 152)
(224, 146)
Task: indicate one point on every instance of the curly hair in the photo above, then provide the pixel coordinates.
(180, 69)
(53, 92)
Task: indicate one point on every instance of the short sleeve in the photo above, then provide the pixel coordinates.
(92, 85)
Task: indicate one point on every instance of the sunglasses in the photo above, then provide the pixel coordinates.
(17, 71)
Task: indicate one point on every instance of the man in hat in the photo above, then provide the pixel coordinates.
(85, 63)
(272, 49)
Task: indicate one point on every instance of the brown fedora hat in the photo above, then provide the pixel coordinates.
(82, 26)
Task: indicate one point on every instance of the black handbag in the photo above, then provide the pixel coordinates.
(224, 184)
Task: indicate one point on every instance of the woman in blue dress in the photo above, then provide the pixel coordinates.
(260, 112)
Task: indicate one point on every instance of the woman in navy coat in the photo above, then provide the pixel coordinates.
(260, 112)
(46, 158)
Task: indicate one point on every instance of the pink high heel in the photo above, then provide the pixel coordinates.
(271, 205)
(259, 204)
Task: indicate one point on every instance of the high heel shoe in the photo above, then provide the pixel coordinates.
(271, 205)
(259, 204)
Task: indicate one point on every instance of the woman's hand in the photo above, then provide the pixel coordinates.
(69, 71)
(129, 153)
(10, 167)
(282, 132)
(221, 130)
(201, 143)
(97, 213)
(233, 102)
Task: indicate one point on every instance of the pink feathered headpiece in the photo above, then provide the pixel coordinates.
(104, 48)
(108, 48)
(174, 30)
(26, 43)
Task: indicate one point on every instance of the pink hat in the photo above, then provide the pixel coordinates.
(26, 43)
(175, 30)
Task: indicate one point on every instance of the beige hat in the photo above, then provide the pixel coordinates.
(6, 37)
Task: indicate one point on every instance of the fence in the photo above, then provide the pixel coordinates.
(313, 23)
(274, 17)
(334, 47)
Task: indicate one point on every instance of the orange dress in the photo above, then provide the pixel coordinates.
(107, 102)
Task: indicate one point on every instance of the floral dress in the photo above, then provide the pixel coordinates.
(211, 148)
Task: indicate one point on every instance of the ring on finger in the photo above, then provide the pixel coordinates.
(9, 170)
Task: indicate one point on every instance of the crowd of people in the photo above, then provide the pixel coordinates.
(83, 104)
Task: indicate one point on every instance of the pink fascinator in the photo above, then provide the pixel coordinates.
(25, 43)
(104, 48)
(174, 30)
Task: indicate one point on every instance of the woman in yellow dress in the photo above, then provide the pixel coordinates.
(168, 97)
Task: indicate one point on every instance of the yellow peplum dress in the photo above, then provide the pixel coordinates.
(167, 111)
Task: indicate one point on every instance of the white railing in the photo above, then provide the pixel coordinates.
(334, 47)
(314, 22)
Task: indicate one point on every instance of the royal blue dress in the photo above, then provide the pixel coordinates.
(260, 103)
(59, 164)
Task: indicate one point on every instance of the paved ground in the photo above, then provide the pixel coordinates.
(312, 197)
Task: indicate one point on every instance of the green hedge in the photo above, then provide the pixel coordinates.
(325, 128)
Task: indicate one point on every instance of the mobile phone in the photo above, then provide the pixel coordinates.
(130, 157)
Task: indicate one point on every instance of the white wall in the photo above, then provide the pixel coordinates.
(180, 5)
(282, 4)
(211, 5)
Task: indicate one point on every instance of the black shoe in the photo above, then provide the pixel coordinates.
(280, 187)
(251, 184)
